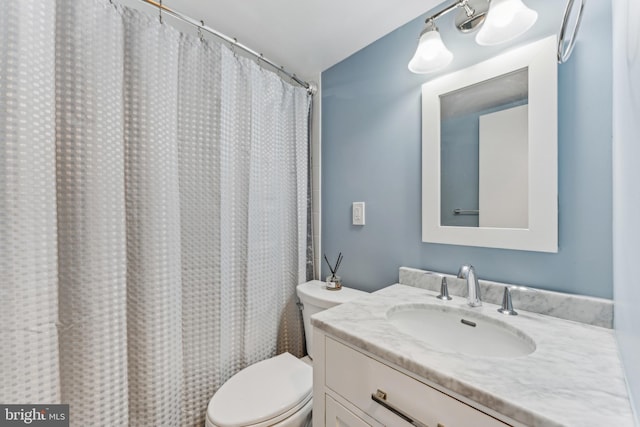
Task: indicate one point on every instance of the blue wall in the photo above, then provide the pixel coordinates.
(371, 148)
(460, 169)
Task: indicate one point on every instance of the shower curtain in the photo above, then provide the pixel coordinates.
(153, 218)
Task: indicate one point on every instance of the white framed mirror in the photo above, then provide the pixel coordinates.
(489, 152)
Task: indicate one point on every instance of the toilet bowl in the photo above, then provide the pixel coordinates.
(278, 391)
(274, 392)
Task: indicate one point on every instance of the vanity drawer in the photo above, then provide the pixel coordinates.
(356, 377)
(339, 416)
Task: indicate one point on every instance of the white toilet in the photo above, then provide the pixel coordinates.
(277, 391)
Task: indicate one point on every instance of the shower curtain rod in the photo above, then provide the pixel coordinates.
(311, 88)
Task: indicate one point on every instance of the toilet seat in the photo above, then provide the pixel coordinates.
(262, 394)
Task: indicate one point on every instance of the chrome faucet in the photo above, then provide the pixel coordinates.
(473, 287)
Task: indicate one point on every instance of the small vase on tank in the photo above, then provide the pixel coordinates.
(333, 280)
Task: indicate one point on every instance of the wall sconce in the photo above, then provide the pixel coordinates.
(500, 22)
(431, 54)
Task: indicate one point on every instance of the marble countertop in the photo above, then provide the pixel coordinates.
(573, 378)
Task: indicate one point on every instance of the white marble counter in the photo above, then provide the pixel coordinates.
(574, 378)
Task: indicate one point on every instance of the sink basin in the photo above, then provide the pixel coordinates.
(457, 330)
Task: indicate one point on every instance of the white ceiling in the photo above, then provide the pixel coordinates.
(307, 36)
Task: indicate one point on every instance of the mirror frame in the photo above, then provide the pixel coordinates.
(542, 232)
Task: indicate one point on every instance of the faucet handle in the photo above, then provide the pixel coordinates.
(507, 304)
(444, 290)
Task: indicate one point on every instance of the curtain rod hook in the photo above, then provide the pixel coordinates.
(200, 34)
(160, 12)
(233, 47)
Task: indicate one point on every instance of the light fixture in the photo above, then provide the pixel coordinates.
(501, 21)
(431, 54)
(506, 20)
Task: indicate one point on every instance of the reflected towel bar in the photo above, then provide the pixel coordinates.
(466, 212)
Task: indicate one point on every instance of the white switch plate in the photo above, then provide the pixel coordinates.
(358, 213)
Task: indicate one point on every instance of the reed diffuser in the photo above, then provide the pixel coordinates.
(333, 280)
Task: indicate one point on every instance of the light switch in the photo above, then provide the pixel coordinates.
(358, 213)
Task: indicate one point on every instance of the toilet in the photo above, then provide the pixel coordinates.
(276, 392)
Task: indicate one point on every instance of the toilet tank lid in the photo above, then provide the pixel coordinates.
(315, 292)
(262, 392)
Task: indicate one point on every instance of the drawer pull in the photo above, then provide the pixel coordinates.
(380, 397)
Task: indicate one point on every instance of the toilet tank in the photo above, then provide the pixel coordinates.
(315, 297)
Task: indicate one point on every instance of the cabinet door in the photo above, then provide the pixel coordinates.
(339, 416)
(356, 377)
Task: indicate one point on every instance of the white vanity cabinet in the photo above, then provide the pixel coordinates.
(353, 389)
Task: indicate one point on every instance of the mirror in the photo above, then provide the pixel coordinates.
(490, 152)
(484, 153)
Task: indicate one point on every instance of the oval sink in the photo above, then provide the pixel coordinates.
(452, 329)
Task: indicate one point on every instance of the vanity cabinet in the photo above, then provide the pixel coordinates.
(354, 389)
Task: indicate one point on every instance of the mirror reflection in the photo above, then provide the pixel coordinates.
(484, 159)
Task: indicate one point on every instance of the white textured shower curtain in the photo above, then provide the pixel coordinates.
(153, 221)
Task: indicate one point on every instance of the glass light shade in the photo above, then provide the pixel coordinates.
(506, 20)
(431, 54)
